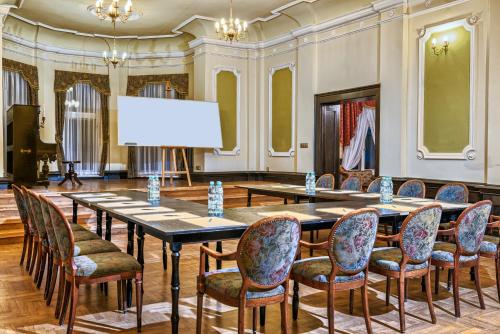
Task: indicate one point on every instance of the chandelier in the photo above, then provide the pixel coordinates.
(113, 12)
(232, 29)
(113, 58)
(71, 103)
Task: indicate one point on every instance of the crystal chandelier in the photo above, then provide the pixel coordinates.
(113, 58)
(113, 12)
(232, 29)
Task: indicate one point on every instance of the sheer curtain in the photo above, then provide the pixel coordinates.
(16, 90)
(148, 159)
(82, 136)
(353, 152)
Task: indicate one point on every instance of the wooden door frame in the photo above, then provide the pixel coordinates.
(372, 92)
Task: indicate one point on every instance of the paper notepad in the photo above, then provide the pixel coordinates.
(412, 200)
(151, 209)
(212, 222)
(166, 216)
(317, 189)
(93, 195)
(445, 205)
(336, 211)
(299, 216)
(371, 195)
(283, 186)
(123, 204)
(394, 207)
(340, 192)
(108, 199)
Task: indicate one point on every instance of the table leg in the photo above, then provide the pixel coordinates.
(109, 221)
(99, 222)
(140, 245)
(130, 251)
(75, 212)
(218, 248)
(249, 198)
(296, 199)
(207, 259)
(262, 316)
(175, 248)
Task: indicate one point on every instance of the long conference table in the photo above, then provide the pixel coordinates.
(179, 222)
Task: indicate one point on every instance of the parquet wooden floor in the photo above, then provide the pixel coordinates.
(22, 309)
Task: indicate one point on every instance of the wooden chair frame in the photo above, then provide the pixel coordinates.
(495, 224)
(422, 183)
(331, 287)
(28, 230)
(456, 264)
(402, 275)
(325, 176)
(443, 187)
(379, 179)
(350, 178)
(242, 302)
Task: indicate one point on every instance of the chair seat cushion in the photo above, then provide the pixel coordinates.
(104, 264)
(227, 282)
(93, 247)
(319, 269)
(489, 244)
(445, 226)
(76, 227)
(443, 251)
(83, 235)
(388, 258)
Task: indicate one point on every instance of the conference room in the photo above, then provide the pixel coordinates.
(231, 166)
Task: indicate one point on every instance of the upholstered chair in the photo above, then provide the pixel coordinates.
(265, 255)
(92, 268)
(326, 181)
(25, 220)
(411, 259)
(349, 247)
(453, 192)
(351, 183)
(412, 188)
(490, 248)
(374, 186)
(468, 233)
(34, 233)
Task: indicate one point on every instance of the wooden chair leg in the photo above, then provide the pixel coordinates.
(25, 246)
(42, 268)
(30, 251)
(428, 292)
(456, 292)
(33, 257)
(387, 291)
(295, 300)
(49, 275)
(60, 291)
(366, 309)
(406, 289)
(254, 320)
(241, 318)
(478, 286)
(138, 301)
(53, 280)
(199, 312)
(164, 255)
(331, 310)
(311, 240)
(284, 314)
(72, 311)
(436, 281)
(401, 293)
(64, 305)
(497, 267)
(119, 295)
(351, 301)
(38, 261)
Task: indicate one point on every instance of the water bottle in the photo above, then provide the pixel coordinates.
(308, 182)
(157, 188)
(219, 206)
(150, 188)
(312, 186)
(386, 190)
(211, 199)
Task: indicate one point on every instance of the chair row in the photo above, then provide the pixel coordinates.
(268, 255)
(66, 251)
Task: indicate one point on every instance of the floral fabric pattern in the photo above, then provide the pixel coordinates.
(268, 250)
(51, 236)
(420, 234)
(36, 212)
(228, 282)
(351, 183)
(471, 227)
(374, 186)
(412, 188)
(62, 233)
(326, 181)
(445, 251)
(353, 241)
(456, 193)
(319, 269)
(21, 206)
(489, 244)
(104, 264)
(93, 247)
(389, 258)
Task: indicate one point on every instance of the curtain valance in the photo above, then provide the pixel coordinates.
(179, 82)
(64, 80)
(29, 72)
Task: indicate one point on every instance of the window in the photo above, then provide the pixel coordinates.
(82, 136)
(15, 89)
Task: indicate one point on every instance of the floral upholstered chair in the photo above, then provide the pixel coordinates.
(453, 192)
(91, 268)
(374, 186)
(468, 232)
(412, 188)
(326, 181)
(29, 230)
(351, 183)
(349, 247)
(411, 259)
(490, 248)
(35, 234)
(265, 255)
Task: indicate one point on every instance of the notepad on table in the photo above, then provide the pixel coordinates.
(394, 207)
(108, 199)
(370, 195)
(446, 205)
(336, 211)
(93, 195)
(151, 209)
(212, 222)
(299, 216)
(166, 216)
(340, 192)
(123, 204)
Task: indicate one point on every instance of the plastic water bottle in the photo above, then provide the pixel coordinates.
(312, 186)
(157, 188)
(211, 199)
(153, 188)
(219, 202)
(308, 182)
(386, 190)
(150, 188)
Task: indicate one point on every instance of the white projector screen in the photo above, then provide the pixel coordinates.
(166, 122)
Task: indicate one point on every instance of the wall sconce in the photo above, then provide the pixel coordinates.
(438, 50)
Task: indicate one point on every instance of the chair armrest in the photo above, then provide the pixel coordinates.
(451, 231)
(494, 221)
(322, 245)
(217, 255)
(387, 238)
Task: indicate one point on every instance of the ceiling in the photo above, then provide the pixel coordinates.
(159, 17)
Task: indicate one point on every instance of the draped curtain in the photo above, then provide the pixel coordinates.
(100, 84)
(82, 134)
(28, 73)
(16, 90)
(364, 122)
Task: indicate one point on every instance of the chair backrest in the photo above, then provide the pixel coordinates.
(374, 186)
(51, 236)
(351, 183)
(418, 233)
(33, 224)
(412, 188)
(21, 206)
(453, 192)
(34, 205)
(62, 231)
(326, 181)
(267, 250)
(352, 239)
(470, 227)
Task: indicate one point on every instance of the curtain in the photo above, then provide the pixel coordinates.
(82, 129)
(105, 133)
(60, 119)
(28, 72)
(353, 152)
(16, 89)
